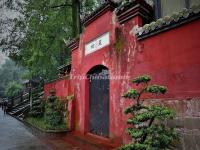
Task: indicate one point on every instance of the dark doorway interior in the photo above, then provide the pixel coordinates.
(99, 101)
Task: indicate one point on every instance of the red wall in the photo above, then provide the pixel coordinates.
(62, 88)
(172, 58)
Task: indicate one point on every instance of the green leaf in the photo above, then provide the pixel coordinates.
(136, 133)
(134, 108)
(13, 88)
(135, 146)
(156, 89)
(142, 79)
(147, 123)
(162, 112)
(132, 94)
(141, 118)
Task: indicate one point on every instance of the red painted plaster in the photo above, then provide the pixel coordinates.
(172, 58)
(62, 88)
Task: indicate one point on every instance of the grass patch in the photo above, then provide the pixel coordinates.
(40, 123)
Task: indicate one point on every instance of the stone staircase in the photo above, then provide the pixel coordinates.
(18, 111)
(28, 103)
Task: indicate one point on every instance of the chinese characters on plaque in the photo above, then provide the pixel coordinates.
(98, 43)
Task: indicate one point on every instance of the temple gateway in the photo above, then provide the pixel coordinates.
(119, 43)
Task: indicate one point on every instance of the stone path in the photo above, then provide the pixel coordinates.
(14, 135)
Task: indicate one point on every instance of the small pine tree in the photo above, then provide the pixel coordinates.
(147, 124)
(53, 110)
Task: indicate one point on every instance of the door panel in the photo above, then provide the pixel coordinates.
(99, 103)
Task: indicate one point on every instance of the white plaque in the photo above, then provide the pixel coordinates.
(98, 43)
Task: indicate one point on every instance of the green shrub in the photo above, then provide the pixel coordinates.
(147, 124)
(53, 111)
(53, 118)
(13, 88)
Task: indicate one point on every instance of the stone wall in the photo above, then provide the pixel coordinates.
(187, 120)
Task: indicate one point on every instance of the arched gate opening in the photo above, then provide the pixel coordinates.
(99, 101)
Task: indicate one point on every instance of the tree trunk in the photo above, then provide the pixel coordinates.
(76, 17)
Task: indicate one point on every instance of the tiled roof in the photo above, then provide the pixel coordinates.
(168, 22)
(73, 44)
(65, 65)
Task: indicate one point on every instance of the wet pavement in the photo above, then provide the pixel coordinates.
(14, 135)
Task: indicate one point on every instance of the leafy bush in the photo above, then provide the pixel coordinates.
(53, 118)
(53, 111)
(147, 124)
(48, 114)
(13, 88)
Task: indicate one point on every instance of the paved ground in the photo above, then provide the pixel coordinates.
(14, 135)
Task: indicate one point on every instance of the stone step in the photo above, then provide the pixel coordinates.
(90, 142)
(21, 116)
(16, 112)
(20, 107)
(21, 103)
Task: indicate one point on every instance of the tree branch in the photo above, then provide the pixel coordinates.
(140, 93)
(145, 136)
